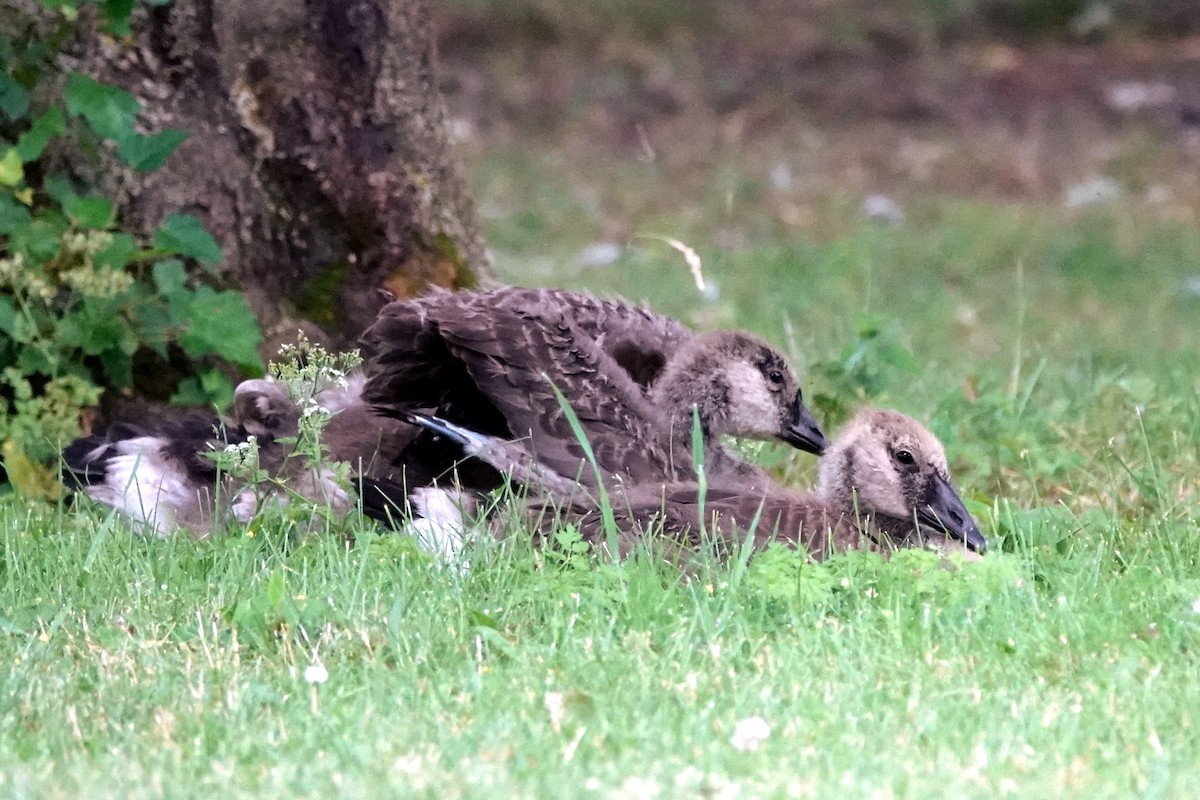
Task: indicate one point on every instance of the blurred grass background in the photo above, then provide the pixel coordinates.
(984, 213)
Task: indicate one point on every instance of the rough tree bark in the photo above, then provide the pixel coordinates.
(317, 151)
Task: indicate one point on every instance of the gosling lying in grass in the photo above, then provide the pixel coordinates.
(157, 471)
(884, 484)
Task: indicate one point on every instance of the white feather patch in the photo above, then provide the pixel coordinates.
(142, 484)
(754, 408)
(438, 522)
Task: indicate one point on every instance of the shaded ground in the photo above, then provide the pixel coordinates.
(817, 98)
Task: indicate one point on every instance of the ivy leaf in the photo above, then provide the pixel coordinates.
(95, 213)
(185, 235)
(170, 277)
(109, 110)
(33, 142)
(12, 172)
(220, 323)
(14, 98)
(148, 153)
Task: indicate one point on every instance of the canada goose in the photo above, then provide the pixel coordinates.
(156, 472)
(883, 483)
(491, 361)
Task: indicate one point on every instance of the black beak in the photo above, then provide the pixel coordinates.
(944, 512)
(802, 431)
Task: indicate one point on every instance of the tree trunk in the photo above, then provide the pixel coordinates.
(317, 151)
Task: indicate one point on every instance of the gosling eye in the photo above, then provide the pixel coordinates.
(775, 376)
(905, 457)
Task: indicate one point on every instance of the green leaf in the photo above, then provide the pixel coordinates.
(60, 189)
(153, 326)
(117, 254)
(118, 366)
(12, 172)
(96, 213)
(220, 323)
(69, 331)
(96, 329)
(209, 389)
(40, 240)
(35, 361)
(68, 7)
(116, 16)
(109, 110)
(13, 215)
(8, 316)
(170, 277)
(899, 357)
(148, 153)
(185, 235)
(14, 98)
(189, 392)
(33, 142)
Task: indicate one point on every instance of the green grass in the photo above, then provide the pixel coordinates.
(146, 668)
(1053, 354)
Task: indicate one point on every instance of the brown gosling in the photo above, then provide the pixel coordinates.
(883, 484)
(491, 362)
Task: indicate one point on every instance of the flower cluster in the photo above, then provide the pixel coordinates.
(306, 370)
(240, 459)
(22, 281)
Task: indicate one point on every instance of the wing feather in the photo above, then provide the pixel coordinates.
(483, 358)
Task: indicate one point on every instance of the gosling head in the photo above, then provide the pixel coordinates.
(262, 408)
(888, 466)
(741, 386)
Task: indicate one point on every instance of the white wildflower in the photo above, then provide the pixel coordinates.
(1196, 606)
(240, 458)
(316, 673)
(750, 733)
(94, 282)
(312, 408)
(11, 267)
